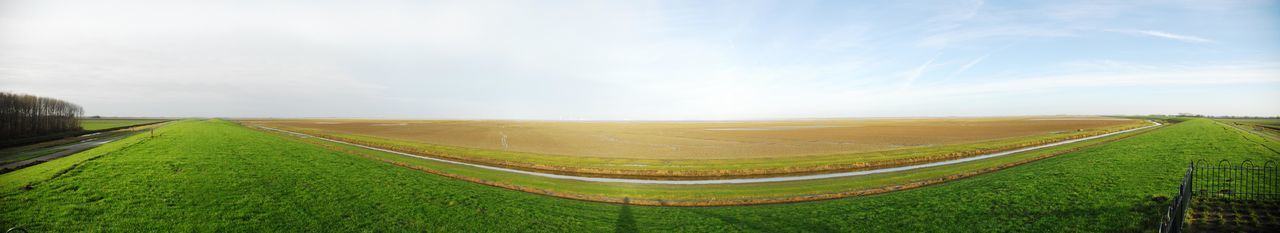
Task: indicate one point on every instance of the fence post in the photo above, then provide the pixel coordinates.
(1176, 215)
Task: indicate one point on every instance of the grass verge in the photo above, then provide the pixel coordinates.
(97, 124)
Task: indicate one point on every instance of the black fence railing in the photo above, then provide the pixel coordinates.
(1245, 181)
(1173, 219)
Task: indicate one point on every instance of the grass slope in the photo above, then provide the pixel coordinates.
(96, 124)
(216, 176)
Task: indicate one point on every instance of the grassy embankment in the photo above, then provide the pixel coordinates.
(96, 124)
(711, 169)
(215, 176)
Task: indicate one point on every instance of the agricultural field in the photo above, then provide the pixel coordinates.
(1269, 128)
(707, 149)
(107, 123)
(715, 194)
(215, 175)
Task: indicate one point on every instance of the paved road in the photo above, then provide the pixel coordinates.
(732, 181)
(66, 150)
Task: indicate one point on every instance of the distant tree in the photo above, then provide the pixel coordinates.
(24, 116)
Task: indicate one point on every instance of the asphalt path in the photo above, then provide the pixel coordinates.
(65, 150)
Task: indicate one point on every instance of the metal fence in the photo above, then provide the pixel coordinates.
(1245, 181)
(1222, 181)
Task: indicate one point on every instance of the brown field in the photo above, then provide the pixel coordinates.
(705, 140)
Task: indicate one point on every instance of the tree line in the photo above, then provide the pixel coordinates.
(23, 116)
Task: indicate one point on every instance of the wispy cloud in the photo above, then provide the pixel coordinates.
(915, 74)
(1068, 92)
(970, 35)
(1165, 35)
(1164, 76)
(971, 64)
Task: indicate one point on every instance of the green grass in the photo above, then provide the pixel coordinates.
(96, 124)
(216, 176)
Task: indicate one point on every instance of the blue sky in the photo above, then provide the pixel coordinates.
(644, 60)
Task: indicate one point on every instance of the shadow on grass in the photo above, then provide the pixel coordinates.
(626, 222)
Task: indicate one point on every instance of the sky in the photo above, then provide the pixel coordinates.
(644, 60)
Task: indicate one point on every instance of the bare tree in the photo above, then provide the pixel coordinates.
(23, 116)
